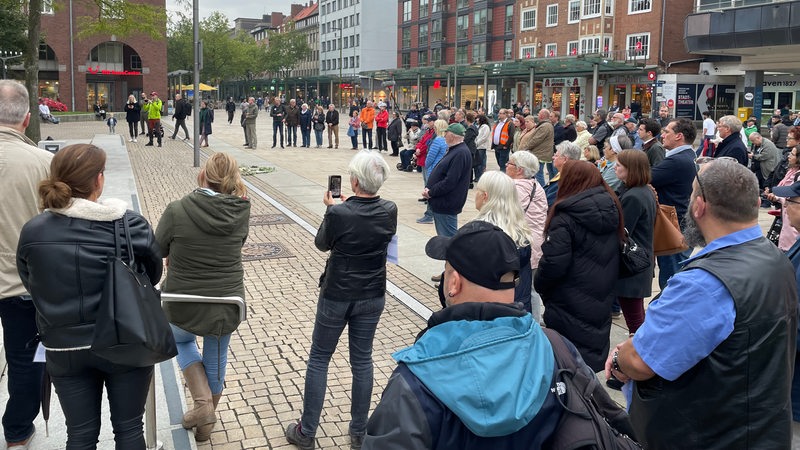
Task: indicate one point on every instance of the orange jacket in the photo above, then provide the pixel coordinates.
(367, 117)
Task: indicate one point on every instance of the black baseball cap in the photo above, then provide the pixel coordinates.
(787, 191)
(481, 252)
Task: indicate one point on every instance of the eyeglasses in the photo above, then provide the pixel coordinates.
(511, 164)
(700, 183)
(788, 200)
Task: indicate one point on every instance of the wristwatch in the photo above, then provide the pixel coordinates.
(615, 362)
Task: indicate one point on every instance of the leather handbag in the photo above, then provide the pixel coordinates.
(633, 258)
(667, 236)
(131, 328)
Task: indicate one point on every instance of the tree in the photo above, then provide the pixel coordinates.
(13, 29)
(118, 17)
(285, 51)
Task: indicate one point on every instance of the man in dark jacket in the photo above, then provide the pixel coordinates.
(602, 130)
(648, 130)
(470, 135)
(230, 108)
(182, 110)
(448, 183)
(278, 113)
(433, 400)
(292, 120)
(570, 133)
(739, 286)
(332, 119)
(731, 145)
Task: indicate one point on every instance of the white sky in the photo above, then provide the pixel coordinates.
(235, 8)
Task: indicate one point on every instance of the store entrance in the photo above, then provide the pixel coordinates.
(101, 94)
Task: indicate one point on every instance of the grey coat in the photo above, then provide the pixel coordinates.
(768, 155)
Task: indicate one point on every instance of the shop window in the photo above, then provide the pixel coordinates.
(639, 46)
(574, 9)
(591, 8)
(552, 15)
(639, 6)
(528, 19)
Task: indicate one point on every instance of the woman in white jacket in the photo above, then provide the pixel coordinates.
(482, 143)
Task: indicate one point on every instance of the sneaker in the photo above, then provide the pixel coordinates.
(436, 278)
(616, 314)
(186, 138)
(149, 144)
(423, 200)
(135, 140)
(23, 445)
(294, 435)
(356, 442)
(425, 219)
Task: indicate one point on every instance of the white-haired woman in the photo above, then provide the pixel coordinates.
(522, 167)
(357, 232)
(497, 203)
(583, 135)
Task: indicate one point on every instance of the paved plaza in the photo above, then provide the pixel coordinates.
(268, 353)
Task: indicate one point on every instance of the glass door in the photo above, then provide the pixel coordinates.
(99, 93)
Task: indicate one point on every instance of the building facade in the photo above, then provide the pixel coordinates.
(98, 70)
(307, 23)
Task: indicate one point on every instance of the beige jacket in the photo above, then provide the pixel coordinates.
(539, 142)
(22, 167)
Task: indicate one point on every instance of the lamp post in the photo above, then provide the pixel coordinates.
(7, 55)
(339, 44)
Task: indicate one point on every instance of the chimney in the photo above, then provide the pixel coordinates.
(296, 9)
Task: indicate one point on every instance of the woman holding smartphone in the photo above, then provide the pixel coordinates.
(357, 233)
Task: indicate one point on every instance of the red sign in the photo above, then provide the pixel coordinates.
(437, 84)
(651, 75)
(97, 71)
(670, 103)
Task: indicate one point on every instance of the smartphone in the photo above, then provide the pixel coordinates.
(335, 185)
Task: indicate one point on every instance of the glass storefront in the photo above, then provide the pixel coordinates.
(99, 93)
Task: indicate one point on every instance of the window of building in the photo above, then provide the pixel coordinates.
(407, 11)
(609, 7)
(479, 52)
(607, 46)
(480, 21)
(436, 56)
(574, 8)
(590, 45)
(423, 35)
(346, 20)
(406, 37)
(528, 19)
(344, 63)
(107, 52)
(509, 21)
(527, 52)
(591, 8)
(462, 26)
(47, 6)
(463, 4)
(552, 15)
(422, 58)
(551, 50)
(639, 45)
(572, 48)
(438, 5)
(358, 40)
(424, 6)
(406, 57)
(508, 49)
(461, 54)
(358, 19)
(436, 30)
(352, 61)
(639, 6)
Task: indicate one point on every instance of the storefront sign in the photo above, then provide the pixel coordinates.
(97, 71)
(684, 100)
(693, 100)
(561, 82)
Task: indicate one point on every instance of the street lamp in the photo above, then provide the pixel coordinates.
(339, 44)
(7, 55)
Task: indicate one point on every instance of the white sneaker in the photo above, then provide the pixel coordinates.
(134, 140)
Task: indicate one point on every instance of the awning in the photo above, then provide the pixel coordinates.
(203, 87)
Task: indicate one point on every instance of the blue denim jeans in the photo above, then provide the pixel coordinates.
(214, 357)
(502, 158)
(361, 318)
(79, 377)
(480, 166)
(18, 317)
(445, 224)
(318, 137)
(551, 172)
(668, 266)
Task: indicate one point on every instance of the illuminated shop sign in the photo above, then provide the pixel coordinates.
(97, 71)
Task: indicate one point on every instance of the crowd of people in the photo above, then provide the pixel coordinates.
(549, 235)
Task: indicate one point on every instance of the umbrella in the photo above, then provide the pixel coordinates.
(46, 394)
(203, 87)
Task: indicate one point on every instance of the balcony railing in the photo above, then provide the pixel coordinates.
(716, 5)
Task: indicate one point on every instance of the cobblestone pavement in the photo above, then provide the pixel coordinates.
(268, 353)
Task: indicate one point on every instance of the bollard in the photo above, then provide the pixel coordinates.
(150, 429)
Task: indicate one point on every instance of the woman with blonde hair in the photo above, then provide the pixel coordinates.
(438, 146)
(582, 140)
(63, 258)
(497, 203)
(591, 153)
(201, 237)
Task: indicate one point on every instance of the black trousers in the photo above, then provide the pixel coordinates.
(366, 132)
(79, 377)
(382, 139)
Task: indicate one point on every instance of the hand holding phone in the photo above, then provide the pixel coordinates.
(335, 185)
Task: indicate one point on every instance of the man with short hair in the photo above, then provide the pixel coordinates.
(558, 128)
(779, 131)
(541, 144)
(663, 116)
(448, 182)
(292, 121)
(230, 108)
(332, 119)
(631, 126)
(617, 124)
(152, 109)
(278, 114)
(22, 167)
(502, 137)
(570, 133)
(181, 111)
(564, 151)
(143, 123)
(648, 130)
(437, 396)
(709, 133)
(732, 146)
(712, 362)
(765, 158)
(602, 130)
(250, 123)
(367, 117)
(672, 180)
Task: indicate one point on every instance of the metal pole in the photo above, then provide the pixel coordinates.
(455, 73)
(419, 88)
(530, 87)
(150, 431)
(448, 89)
(71, 59)
(341, 93)
(196, 100)
(485, 90)
(595, 74)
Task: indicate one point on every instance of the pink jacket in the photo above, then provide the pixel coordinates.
(535, 214)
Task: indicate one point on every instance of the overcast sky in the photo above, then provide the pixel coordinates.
(234, 9)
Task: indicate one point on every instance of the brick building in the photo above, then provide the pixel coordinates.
(99, 69)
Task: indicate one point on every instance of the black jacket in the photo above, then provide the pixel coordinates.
(277, 112)
(448, 183)
(733, 147)
(182, 109)
(639, 212)
(133, 112)
(357, 233)
(395, 130)
(62, 260)
(469, 138)
(570, 133)
(332, 117)
(578, 271)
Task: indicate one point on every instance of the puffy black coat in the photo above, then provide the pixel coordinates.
(578, 271)
(62, 261)
(357, 233)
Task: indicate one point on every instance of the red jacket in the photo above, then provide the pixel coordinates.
(423, 145)
(382, 119)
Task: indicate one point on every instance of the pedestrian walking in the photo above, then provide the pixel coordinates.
(206, 119)
(230, 108)
(132, 115)
(182, 110)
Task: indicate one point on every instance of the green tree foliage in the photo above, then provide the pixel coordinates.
(13, 26)
(225, 55)
(285, 51)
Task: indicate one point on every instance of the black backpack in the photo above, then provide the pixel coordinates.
(591, 419)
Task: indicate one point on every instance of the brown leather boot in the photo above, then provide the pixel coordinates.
(202, 414)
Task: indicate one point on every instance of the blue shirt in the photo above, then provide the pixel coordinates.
(677, 150)
(693, 315)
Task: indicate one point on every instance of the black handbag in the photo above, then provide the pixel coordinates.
(131, 328)
(633, 258)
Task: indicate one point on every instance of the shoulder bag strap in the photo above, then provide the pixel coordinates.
(654, 193)
(530, 199)
(131, 259)
(117, 246)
